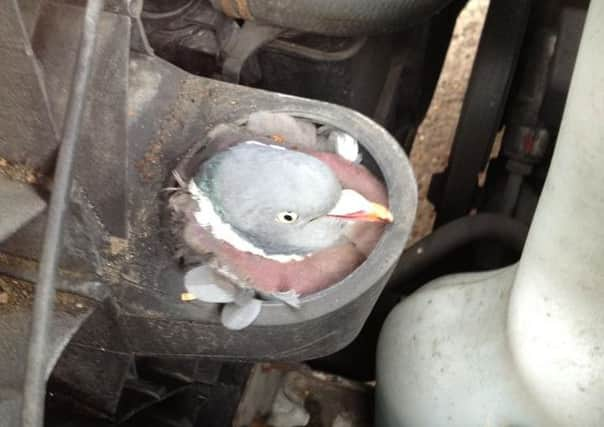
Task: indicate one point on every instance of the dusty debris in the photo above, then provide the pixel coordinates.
(20, 173)
(18, 295)
(117, 245)
(147, 167)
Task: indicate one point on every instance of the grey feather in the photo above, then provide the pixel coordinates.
(339, 142)
(251, 198)
(208, 286)
(291, 297)
(297, 133)
(237, 317)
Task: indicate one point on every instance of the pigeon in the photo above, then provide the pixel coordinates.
(302, 134)
(270, 216)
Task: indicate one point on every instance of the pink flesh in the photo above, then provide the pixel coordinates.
(319, 270)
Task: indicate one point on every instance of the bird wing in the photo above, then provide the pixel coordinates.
(291, 297)
(315, 272)
(274, 129)
(340, 143)
(301, 134)
(240, 316)
(207, 286)
(271, 280)
(240, 308)
(220, 138)
(284, 129)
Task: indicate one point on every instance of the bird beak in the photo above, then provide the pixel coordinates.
(355, 207)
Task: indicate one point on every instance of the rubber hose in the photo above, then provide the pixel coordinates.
(509, 232)
(334, 17)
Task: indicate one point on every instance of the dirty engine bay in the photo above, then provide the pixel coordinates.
(207, 205)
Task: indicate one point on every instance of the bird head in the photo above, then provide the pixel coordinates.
(275, 202)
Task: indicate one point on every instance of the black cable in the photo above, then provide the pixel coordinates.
(34, 390)
(454, 235)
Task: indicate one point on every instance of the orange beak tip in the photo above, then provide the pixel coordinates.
(381, 213)
(375, 213)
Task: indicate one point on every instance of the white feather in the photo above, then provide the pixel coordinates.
(276, 147)
(346, 146)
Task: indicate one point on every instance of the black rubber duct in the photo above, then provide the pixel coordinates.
(444, 240)
(334, 17)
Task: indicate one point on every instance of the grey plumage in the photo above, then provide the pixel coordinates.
(252, 184)
(299, 133)
(260, 206)
(302, 134)
(208, 285)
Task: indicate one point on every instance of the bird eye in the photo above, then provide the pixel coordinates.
(287, 217)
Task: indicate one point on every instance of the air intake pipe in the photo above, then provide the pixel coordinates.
(334, 17)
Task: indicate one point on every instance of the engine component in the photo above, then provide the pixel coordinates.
(281, 394)
(20, 204)
(453, 193)
(15, 320)
(336, 17)
(517, 341)
(114, 227)
(454, 235)
(34, 388)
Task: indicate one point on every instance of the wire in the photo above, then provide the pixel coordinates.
(34, 390)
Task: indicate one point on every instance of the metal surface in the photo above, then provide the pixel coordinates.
(20, 204)
(35, 379)
(25, 115)
(518, 169)
(453, 194)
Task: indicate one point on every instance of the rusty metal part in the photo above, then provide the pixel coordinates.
(237, 9)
